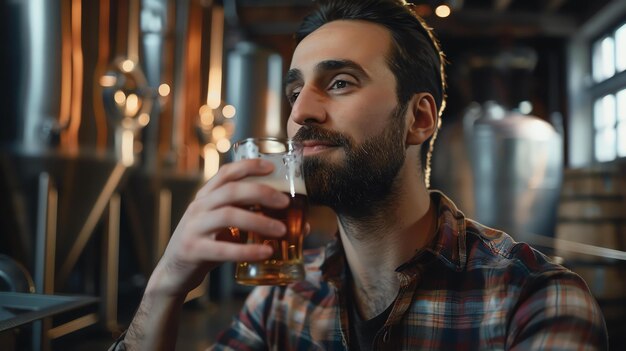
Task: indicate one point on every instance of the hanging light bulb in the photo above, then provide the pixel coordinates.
(443, 10)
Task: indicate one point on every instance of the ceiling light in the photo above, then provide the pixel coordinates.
(443, 11)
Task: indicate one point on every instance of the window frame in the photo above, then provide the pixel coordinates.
(584, 90)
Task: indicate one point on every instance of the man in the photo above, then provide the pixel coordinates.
(407, 271)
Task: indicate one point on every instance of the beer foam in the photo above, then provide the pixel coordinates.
(283, 178)
(281, 185)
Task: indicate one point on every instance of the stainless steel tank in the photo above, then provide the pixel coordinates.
(254, 87)
(53, 134)
(509, 173)
(83, 79)
(109, 111)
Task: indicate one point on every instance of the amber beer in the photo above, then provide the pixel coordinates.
(286, 264)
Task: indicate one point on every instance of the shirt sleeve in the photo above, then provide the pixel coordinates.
(248, 330)
(119, 343)
(557, 312)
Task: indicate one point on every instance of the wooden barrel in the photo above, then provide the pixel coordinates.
(592, 211)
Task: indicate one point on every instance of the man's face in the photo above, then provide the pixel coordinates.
(345, 111)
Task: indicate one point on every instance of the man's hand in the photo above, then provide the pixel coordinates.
(200, 243)
(202, 239)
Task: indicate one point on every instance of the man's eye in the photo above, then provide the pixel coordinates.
(293, 96)
(339, 84)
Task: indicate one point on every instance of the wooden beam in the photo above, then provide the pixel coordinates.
(467, 22)
(490, 23)
(554, 5)
(274, 3)
(501, 5)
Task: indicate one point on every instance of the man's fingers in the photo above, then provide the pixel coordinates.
(242, 194)
(236, 171)
(236, 217)
(210, 250)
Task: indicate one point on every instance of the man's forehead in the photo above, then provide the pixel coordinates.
(355, 40)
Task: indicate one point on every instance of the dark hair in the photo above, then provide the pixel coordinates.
(416, 59)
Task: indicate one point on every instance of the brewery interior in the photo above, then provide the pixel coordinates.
(114, 112)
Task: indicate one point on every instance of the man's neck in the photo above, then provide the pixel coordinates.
(377, 245)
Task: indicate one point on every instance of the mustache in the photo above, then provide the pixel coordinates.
(313, 132)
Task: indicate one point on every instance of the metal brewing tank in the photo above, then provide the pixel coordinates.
(48, 144)
(99, 149)
(514, 163)
(254, 87)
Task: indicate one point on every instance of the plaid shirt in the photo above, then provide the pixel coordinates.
(474, 288)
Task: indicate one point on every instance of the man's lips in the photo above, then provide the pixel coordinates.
(315, 146)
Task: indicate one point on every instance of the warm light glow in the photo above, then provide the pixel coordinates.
(103, 60)
(108, 81)
(164, 89)
(132, 105)
(127, 147)
(138, 146)
(211, 161)
(274, 123)
(214, 100)
(214, 91)
(229, 111)
(204, 109)
(66, 71)
(77, 75)
(207, 118)
(120, 97)
(230, 127)
(127, 123)
(144, 119)
(443, 11)
(219, 132)
(127, 66)
(223, 145)
(423, 10)
(133, 30)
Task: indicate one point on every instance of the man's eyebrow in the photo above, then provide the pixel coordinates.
(333, 65)
(295, 75)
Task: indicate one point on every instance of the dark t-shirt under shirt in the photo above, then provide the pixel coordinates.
(362, 333)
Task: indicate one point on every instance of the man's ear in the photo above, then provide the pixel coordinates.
(422, 118)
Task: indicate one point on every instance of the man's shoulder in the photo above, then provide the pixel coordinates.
(499, 250)
(470, 245)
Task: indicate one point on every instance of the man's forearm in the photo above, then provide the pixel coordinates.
(155, 324)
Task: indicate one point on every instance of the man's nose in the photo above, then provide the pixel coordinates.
(308, 107)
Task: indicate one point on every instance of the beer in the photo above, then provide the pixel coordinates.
(286, 265)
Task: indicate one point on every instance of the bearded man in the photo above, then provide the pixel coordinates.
(407, 270)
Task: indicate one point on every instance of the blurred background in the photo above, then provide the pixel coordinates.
(114, 112)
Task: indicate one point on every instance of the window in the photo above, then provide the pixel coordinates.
(603, 59)
(620, 48)
(621, 123)
(609, 110)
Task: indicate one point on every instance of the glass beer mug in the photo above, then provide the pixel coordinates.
(286, 264)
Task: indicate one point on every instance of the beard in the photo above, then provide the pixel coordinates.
(365, 182)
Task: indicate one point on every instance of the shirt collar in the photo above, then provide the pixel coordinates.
(448, 245)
